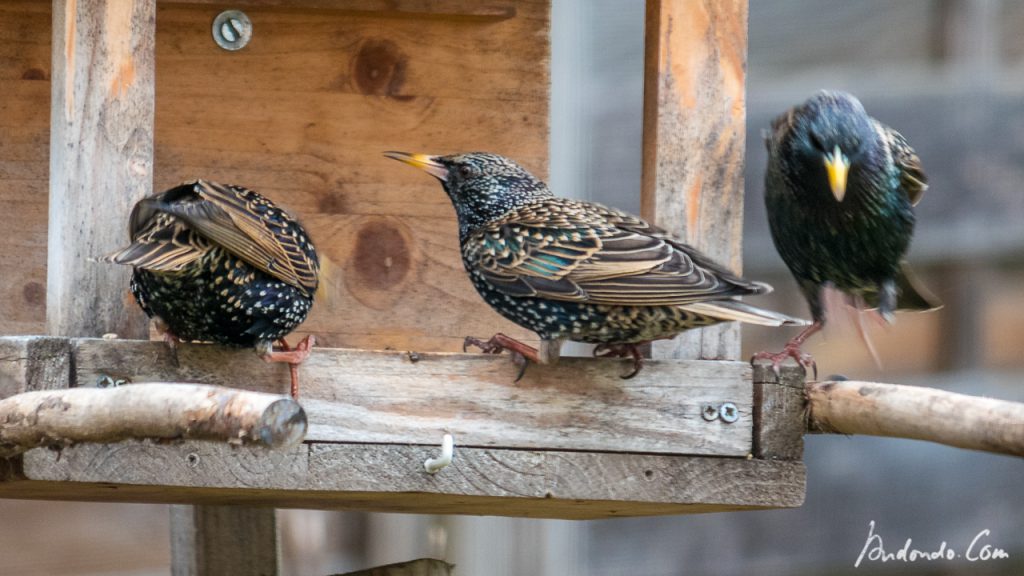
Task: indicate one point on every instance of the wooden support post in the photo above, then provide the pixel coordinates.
(101, 159)
(693, 143)
(780, 412)
(223, 540)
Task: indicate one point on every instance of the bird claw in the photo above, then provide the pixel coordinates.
(621, 351)
(490, 346)
(789, 351)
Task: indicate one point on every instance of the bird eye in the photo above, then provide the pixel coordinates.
(817, 143)
(465, 171)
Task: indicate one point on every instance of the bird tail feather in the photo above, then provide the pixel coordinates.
(740, 312)
(913, 296)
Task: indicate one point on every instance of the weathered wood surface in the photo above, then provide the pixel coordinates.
(24, 164)
(693, 142)
(101, 159)
(780, 412)
(421, 567)
(57, 418)
(407, 397)
(224, 541)
(301, 115)
(971, 422)
(378, 477)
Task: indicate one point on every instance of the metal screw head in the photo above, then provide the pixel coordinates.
(709, 412)
(232, 30)
(728, 412)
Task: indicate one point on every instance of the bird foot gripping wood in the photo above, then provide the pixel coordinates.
(293, 356)
(522, 354)
(790, 350)
(622, 351)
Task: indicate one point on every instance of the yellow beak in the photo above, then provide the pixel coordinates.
(428, 164)
(838, 167)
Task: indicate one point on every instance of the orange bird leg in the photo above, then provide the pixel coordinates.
(498, 342)
(622, 351)
(293, 357)
(792, 350)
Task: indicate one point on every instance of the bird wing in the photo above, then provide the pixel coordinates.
(568, 250)
(160, 243)
(912, 177)
(250, 227)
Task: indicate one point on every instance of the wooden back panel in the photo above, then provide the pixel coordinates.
(302, 115)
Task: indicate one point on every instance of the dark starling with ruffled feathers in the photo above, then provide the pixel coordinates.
(840, 191)
(221, 263)
(571, 270)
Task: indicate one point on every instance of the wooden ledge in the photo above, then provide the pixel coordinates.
(570, 441)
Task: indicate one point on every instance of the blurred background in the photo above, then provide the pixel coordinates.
(949, 75)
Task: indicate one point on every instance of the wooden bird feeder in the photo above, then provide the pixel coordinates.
(128, 96)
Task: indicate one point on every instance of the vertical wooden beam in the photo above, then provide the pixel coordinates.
(693, 144)
(780, 411)
(216, 540)
(101, 159)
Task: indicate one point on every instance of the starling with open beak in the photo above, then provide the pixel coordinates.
(221, 263)
(840, 191)
(571, 270)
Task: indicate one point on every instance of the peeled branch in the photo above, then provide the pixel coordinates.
(161, 411)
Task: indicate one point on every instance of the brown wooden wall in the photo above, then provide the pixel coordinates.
(302, 115)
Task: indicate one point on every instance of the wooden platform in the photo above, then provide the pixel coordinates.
(572, 441)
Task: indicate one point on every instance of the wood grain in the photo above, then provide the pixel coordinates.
(780, 411)
(421, 567)
(224, 540)
(404, 397)
(101, 159)
(24, 164)
(877, 409)
(538, 484)
(469, 9)
(302, 115)
(693, 143)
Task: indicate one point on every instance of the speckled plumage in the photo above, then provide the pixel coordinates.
(856, 243)
(575, 270)
(220, 263)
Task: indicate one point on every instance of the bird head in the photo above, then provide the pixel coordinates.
(482, 186)
(831, 134)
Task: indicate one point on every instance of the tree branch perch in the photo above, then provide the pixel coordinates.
(153, 410)
(875, 409)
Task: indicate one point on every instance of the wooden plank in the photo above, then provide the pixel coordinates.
(694, 129)
(421, 567)
(302, 114)
(24, 168)
(407, 397)
(215, 540)
(379, 477)
(780, 412)
(101, 155)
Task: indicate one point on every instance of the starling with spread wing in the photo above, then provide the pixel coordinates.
(571, 270)
(840, 191)
(221, 263)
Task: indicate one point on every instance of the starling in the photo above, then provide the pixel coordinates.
(840, 190)
(571, 270)
(221, 263)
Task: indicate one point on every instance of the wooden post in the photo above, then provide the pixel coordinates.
(780, 412)
(223, 540)
(693, 143)
(101, 159)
